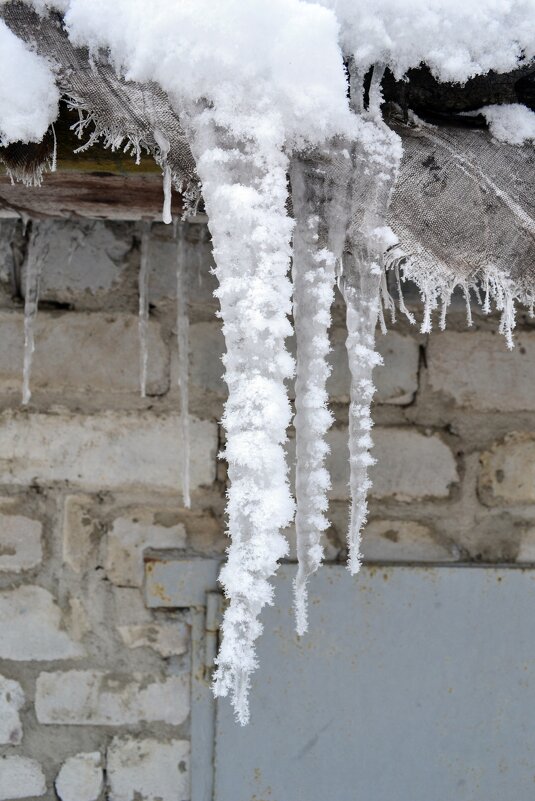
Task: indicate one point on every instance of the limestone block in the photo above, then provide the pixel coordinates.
(80, 778)
(148, 770)
(96, 698)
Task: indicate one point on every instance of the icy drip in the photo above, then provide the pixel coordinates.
(245, 192)
(376, 155)
(34, 264)
(143, 319)
(313, 273)
(182, 336)
(164, 147)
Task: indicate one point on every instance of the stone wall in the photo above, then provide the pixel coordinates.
(94, 680)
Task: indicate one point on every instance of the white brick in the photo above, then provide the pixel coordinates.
(80, 257)
(80, 778)
(96, 698)
(20, 543)
(478, 371)
(396, 381)
(111, 450)
(148, 770)
(11, 701)
(168, 639)
(73, 354)
(30, 627)
(409, 465)
(81, 535)
(207, 346)
(129, 538)
(402, 541)
(20, 777)
(508, 471)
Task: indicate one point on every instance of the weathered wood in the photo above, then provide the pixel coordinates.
(88, 194)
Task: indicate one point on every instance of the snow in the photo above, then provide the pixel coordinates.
(457, 39)
(29, 96)
(261, 91)
(512, 123)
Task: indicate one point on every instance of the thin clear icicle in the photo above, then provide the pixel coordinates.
(143, 319)
(319, 187)
(163, 147)
(182, 336)
(34, 263)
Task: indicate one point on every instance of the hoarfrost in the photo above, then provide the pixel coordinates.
(512, 123)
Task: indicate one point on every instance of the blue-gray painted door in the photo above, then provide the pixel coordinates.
(413, 684)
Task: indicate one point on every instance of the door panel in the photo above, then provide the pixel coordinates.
(413, 684)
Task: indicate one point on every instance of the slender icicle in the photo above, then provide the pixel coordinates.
(313, 279)
(34, 265)
(376, 155)
(143, 319)
(318, 206)
(164, 146)
(245, 192)
(182, 336)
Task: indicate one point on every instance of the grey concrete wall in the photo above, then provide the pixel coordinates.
(94, 685)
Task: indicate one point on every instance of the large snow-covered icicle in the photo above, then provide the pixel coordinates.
(245, 192)
(376, 155)
(143, 319)
(34, 263)
(182, 337)
(319, 186)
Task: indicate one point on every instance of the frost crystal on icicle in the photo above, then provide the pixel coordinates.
(245, 191)
(143, 319)
(31, 301)
(319, 186)
(376, 154)
(182, 337)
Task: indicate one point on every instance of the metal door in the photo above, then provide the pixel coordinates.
(413, 684)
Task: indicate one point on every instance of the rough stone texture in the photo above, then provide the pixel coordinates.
(396, 381)
(148, 770)
(207, 346)
(96, 368)
(20, 777)
(402, 541)
(81, 533)
(128, 540)
(104, 451)
(80, 257)
(20, 543)
(167, 639)
(96, 698)
(11, 701)
(409, 465)
(80, 778)
(30, 627)
(478, 371)
(508, 471)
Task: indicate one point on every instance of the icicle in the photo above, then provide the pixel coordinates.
(182, 336)
(375, 93)
(245, 192)
(54, 163)
(143, 320)
(313, 275)
(164, 147)
(376, 156)
(34, 264)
